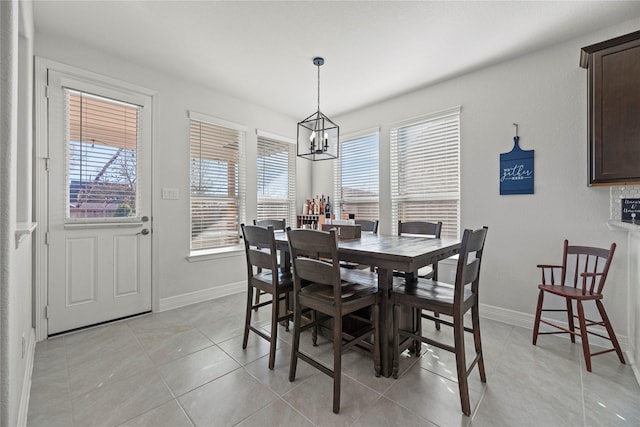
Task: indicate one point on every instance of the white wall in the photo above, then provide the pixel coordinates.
(176, 280)
(15, 197)
(545, 92)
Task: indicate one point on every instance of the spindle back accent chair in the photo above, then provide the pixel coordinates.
(581, 277)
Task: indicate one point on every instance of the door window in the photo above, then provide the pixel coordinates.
(102, 142)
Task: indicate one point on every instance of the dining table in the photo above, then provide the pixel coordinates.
(388, 254)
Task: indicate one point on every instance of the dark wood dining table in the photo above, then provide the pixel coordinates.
(389, 253)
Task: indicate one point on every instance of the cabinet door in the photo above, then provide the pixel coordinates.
(614, 107)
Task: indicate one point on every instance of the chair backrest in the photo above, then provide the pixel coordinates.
(420, 227)
(586, 267)
(260, 249)
(314, 256)
(277, 224)
(368, 225)
(469, 260)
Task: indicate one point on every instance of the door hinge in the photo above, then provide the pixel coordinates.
(46, 311)
(46, 92)
(46, 163)
(46, 237)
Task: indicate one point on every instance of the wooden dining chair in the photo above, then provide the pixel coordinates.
(451, 300)
(333, 293)
(581, 278)
(278, 225)
(270, 278)
(421, 228)
(366, 226)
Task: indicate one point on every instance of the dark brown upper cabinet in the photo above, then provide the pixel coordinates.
(614, 109)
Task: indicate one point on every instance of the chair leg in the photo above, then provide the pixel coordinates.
(376, 339)
(436, 314)
(287, 303)
(257, 301)
(314, 329)
(612, 335)
(417, 327)
(475, 319)
(584, 335)
(337, 361)
(396, 340)
(536, 323)
(570, 320)
(247, 319)
(461, 364)
(295, 343)
(275, 314)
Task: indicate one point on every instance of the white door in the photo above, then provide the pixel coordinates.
(99, 266)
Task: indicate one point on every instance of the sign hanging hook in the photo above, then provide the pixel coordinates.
(516, 125)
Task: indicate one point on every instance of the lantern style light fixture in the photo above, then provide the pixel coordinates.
(318, 136)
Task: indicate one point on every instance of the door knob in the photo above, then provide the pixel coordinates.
(144, 232)
(145, 218)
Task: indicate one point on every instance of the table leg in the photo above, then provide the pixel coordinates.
(385, 284)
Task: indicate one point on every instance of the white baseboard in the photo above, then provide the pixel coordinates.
(525, 320)
(202, 295)
(23, 411)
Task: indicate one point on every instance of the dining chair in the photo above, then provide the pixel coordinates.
(451, 300)
(581, 278)
(366, 226)
(270, 278)
(278, 225)
(332, 293)
(421, 228)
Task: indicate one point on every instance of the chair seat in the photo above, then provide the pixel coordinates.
(568, 291)
(285, 279)
(356, 286)
(429, 292)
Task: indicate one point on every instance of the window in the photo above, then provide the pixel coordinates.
(101, 157)
(217, 182)
(425, 171)
(357, 177)
(276, 170)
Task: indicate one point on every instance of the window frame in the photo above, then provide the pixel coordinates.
(338, 200)
(290, 201)
(451, 192)
(240, 177)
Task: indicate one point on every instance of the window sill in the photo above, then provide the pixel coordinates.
(24, 229)
(218, 253)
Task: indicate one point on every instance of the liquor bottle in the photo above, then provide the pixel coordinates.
(316, 206)
(327, 206)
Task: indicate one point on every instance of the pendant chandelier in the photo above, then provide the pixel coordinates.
(317, 134)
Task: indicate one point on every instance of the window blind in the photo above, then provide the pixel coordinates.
(276, 173)
(101, 156)
(217, 184)
(425, 171)
(356, 178)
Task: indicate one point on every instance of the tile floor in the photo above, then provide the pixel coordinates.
(186, 367)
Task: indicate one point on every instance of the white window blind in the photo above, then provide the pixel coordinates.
(357, 178)
(425, 171)
(276, 170)
(101, 156)
(217, 183)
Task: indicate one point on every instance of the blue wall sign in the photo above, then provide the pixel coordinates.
(516, 170)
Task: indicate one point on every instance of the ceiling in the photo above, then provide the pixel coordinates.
(262, 51)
